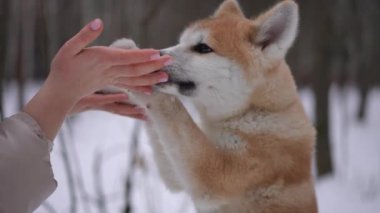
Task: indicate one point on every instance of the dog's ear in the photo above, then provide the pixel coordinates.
(277, 28)
(228, 8)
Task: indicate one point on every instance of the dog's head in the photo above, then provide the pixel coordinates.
(220, 60)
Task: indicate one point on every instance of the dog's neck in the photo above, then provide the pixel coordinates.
(277, 92)
(273, 102)
(290, 123)
(216, 112)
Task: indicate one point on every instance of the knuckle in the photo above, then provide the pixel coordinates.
(84, 38)
(100, 61)
(118, 57)
(158, 64)
(152, 80)
(96, 54)
(138, 70)
(130, 56)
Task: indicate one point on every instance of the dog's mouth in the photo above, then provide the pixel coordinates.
(185, 87)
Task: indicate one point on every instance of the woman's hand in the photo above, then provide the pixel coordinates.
(80, 71)
(113, 103)
(77, 71)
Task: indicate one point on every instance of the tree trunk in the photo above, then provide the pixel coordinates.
(69, 20)
(324, 41)
(3, 22)
(365, 14)
(41, 52)
(132, 167)
(20, 76)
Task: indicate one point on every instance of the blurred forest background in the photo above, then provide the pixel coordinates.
(338, 43)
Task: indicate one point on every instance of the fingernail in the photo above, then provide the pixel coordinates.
(155, 56)
(168, 62)
(96, 24)
(164, 79)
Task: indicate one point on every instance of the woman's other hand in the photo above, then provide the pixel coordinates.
(113, 103)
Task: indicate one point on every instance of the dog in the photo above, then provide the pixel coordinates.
(252, 149)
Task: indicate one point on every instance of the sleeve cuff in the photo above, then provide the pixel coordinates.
(29, 121)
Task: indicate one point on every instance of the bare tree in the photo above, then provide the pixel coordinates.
(3, 22)
(365, 24)
(20, 74)
(41, 40)
(13, 38)
(69, 170)
(324, 41)
(98, 180)
(132, 166)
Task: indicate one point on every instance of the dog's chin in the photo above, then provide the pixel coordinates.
(177, 87)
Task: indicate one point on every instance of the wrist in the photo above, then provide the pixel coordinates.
(56, 92)
(49, 107)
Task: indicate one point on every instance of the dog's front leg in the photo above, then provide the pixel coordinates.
(165, 166)
(207, 172)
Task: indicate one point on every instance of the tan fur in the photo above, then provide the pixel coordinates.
(268, 170)
(237, 31)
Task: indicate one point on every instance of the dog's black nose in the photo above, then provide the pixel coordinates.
(162, 53)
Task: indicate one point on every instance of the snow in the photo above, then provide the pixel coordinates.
(356, 146)
(98, 146)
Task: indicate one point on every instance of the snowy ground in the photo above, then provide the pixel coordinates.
(98, 151)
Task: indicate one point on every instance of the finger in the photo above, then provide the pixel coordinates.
(115, 56)
(144, 89)
(101, 99)
(146, 80)
(122, 109)
(138, 117)
(87, 35)
(141, 69)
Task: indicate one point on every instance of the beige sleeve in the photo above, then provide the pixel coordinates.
(26, 176)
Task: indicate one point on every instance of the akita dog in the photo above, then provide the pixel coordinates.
(252, 150)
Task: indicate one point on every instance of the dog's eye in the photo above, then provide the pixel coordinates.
(202, 48)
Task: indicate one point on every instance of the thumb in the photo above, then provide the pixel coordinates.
(87, 35)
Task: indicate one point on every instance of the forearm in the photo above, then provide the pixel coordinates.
(49, 108)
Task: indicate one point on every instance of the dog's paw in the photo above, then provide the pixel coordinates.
(139, 99)
(147, 101)
(124, 43)
(155, 103)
